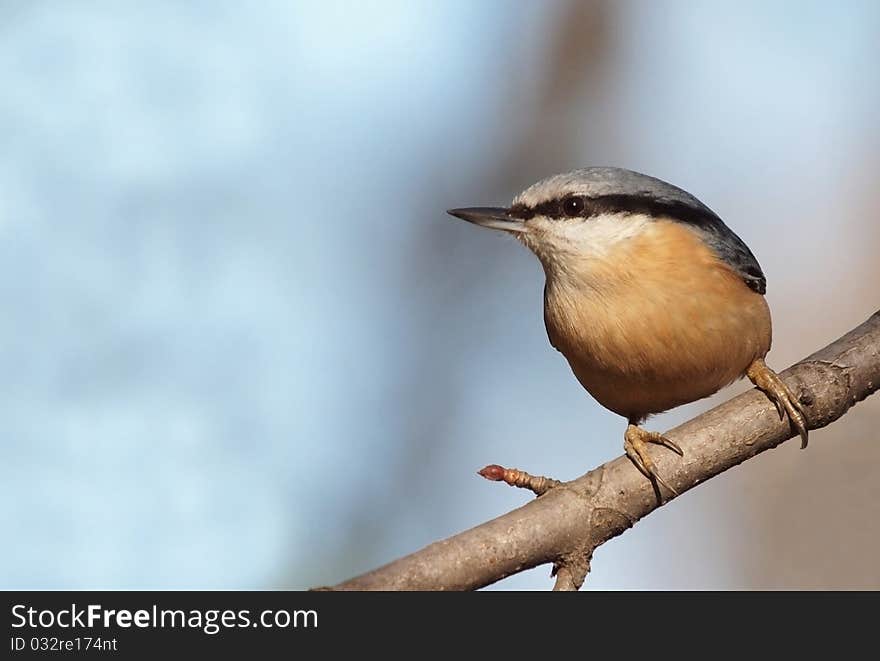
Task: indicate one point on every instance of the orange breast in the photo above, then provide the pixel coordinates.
(656, 323)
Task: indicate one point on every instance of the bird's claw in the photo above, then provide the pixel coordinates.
(659, 439)
(768, 381)
(635, 444)
(779, 408)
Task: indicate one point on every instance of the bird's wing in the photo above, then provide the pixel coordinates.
(734, 252)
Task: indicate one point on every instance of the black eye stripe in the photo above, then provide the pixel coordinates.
(617, 204)
(571, 206)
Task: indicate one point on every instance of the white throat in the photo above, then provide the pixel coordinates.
(569, 245)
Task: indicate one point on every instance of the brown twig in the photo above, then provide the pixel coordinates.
(537, 484)
(567, 523)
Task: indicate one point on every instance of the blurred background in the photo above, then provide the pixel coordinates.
(243, 346)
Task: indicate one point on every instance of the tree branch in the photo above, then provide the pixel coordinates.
(568, 522)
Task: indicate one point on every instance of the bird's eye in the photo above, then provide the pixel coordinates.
(573, 206)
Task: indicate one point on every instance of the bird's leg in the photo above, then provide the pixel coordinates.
(635, 444)
(768, 381)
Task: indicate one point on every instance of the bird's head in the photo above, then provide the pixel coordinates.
(571, 219)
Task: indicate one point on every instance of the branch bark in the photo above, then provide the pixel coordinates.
(567, 523)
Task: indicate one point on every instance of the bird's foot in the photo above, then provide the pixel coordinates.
(768, 381)
(538, 484)
(635, 444)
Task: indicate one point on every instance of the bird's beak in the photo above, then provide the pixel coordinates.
(495, 218)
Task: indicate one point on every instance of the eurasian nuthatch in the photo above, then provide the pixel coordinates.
(650, 297)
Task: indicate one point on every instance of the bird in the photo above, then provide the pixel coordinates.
(651, 298)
